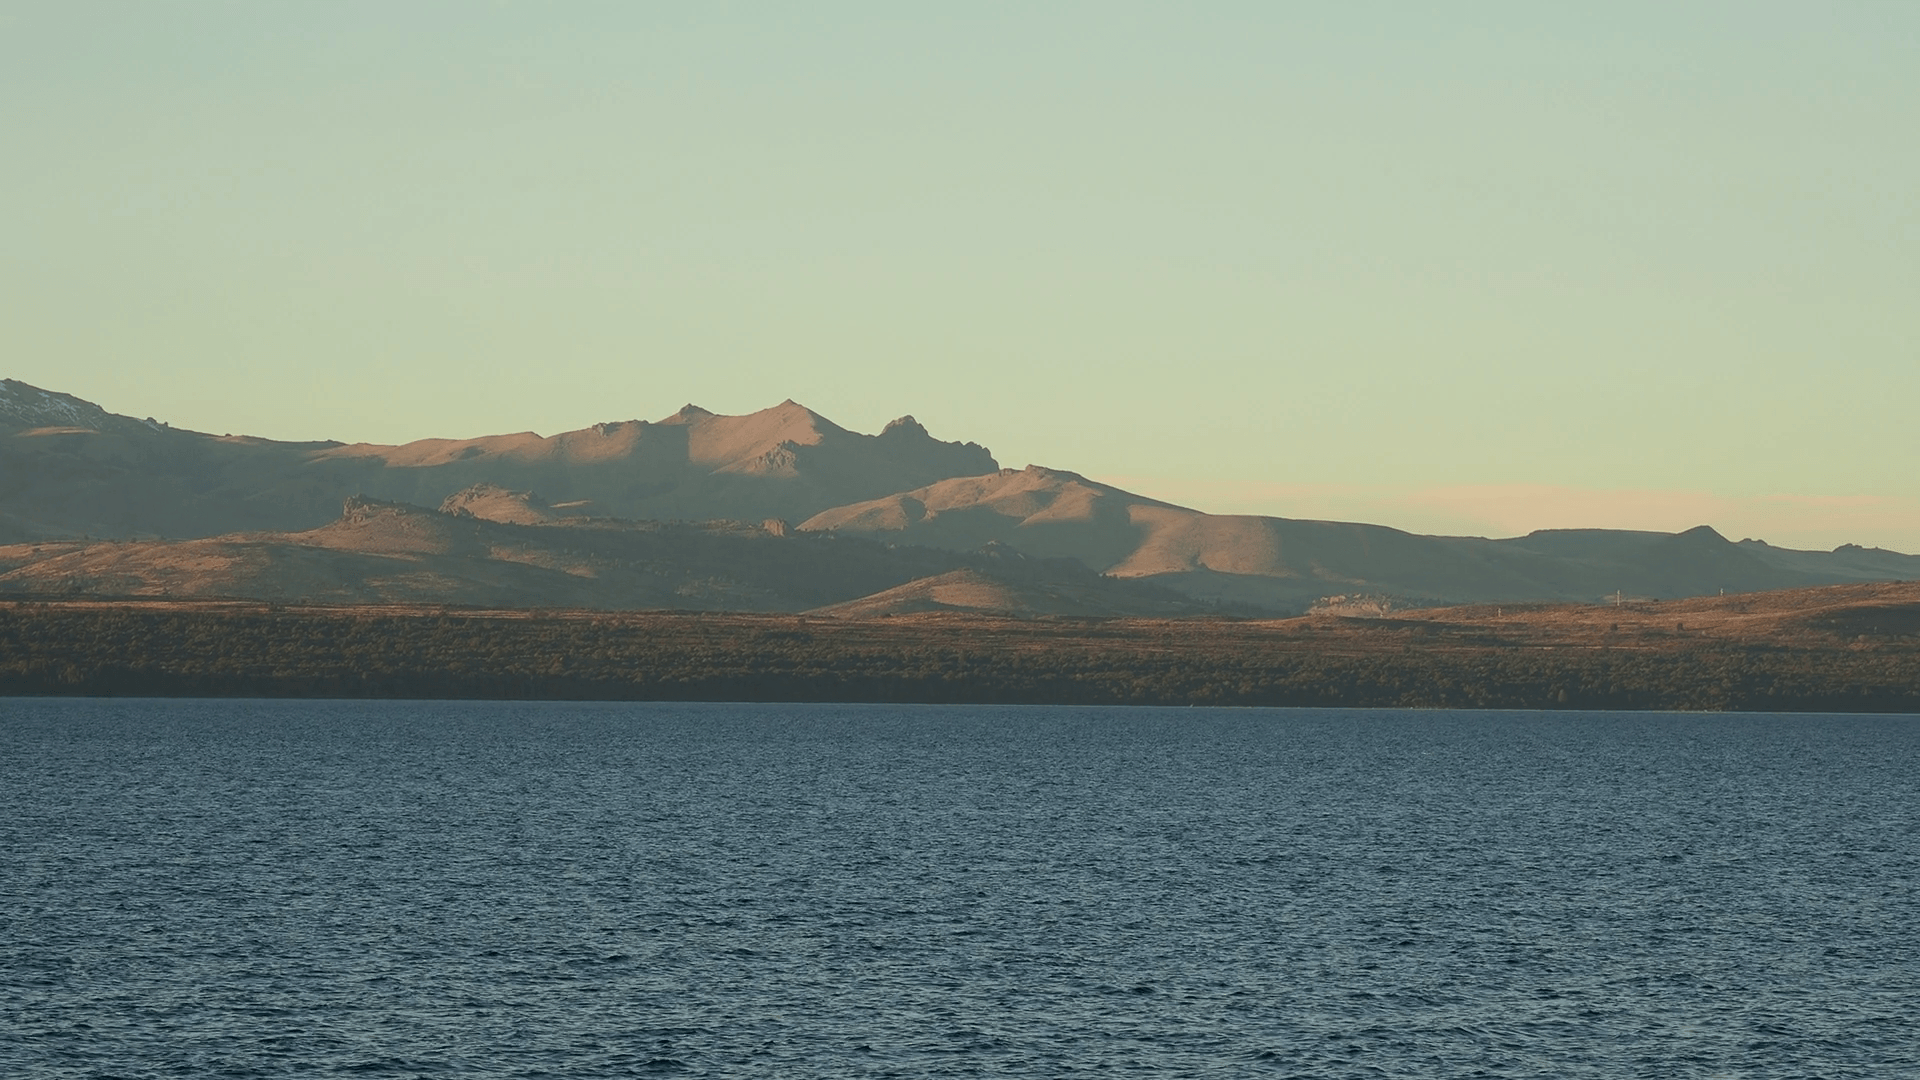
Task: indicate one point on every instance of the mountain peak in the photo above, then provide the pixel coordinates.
(1703, 534)
(688, 414)
(794, 410)
(905, 426)
(1043, 470)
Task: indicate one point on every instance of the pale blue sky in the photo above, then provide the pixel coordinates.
(1284, 258)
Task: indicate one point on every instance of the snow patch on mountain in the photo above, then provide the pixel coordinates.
(26, 406)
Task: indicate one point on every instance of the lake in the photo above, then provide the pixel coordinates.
(267, 888)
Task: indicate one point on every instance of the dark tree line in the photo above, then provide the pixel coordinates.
(157, 650)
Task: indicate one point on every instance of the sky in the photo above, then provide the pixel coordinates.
(1469, 268)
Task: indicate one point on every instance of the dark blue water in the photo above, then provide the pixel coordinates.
(205, 889)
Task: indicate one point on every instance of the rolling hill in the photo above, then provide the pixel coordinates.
(380, 552)
(1286, 564)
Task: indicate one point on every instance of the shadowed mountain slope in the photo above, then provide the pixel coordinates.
(70, 469)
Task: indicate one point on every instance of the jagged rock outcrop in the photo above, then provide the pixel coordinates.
(491, 502)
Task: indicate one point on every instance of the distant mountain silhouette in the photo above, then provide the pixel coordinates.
(516, 513)
(73, 469)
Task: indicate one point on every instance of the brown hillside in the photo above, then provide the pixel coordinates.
(1286, 565)
(491, 502)
(979, 592)
(383, 552)
(786, 461)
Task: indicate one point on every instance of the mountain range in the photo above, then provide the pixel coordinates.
(68, 467)
(778, 510)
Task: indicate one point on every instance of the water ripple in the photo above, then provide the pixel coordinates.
(421, 890)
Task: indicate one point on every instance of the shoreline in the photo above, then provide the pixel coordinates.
(1668, 657)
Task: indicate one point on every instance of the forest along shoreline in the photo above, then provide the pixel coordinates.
(1830, 649)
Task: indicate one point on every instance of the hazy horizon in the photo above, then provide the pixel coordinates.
(1452, 272)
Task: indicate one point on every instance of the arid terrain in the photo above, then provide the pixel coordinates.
(393, 553)
(780, 510)
(1842, 648)
(69, 468)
